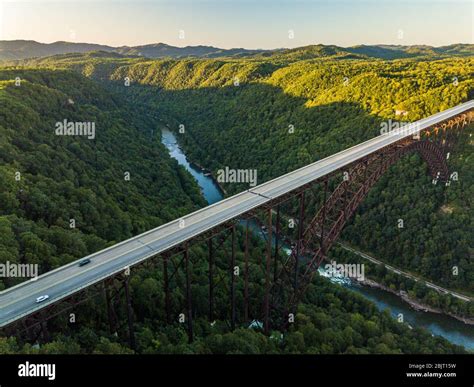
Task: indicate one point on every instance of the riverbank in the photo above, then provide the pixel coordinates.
(208, 173)
(210, 188)
(454, 330)
(414, 304)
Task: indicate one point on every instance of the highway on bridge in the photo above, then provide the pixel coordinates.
(20, 300)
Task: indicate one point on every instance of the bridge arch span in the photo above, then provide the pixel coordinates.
(326, 226)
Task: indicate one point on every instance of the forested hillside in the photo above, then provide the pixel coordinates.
(331, 105)
(331, 320)
(24, 49)
(62, 177)
(236, 113)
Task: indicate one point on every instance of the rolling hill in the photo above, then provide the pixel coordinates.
(24, 49)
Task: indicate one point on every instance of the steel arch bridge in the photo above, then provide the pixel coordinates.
(356, 170)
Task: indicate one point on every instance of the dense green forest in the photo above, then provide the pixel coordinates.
(331, 320)
(63, 178)
(236, 113)
(331, 105)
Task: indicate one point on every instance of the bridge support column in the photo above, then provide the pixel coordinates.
(166, 287)
(246, 273)
(277, 232)
(266, 306)
(44, 331)
(26, 329)
(344, 197)
(300, 236)
(110, 309)
(131, 333)
(323, 216)
(232, 282)
(211, 280)
(188, 295)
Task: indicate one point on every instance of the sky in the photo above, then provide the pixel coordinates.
(240, 23)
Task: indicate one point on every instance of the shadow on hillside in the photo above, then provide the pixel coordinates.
(254, 125)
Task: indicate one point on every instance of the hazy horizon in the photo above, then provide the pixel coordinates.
(240, 23)
(236, 47)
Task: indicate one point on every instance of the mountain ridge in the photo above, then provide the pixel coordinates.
(26, 49)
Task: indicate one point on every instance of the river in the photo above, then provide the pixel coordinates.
(438, 324)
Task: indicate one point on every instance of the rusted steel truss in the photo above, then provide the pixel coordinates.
(286, 279)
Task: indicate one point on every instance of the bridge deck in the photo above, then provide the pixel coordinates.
(19, 301)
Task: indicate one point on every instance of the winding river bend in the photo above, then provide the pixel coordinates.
(438, 324)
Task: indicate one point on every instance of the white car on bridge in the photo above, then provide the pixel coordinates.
(41, 298)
